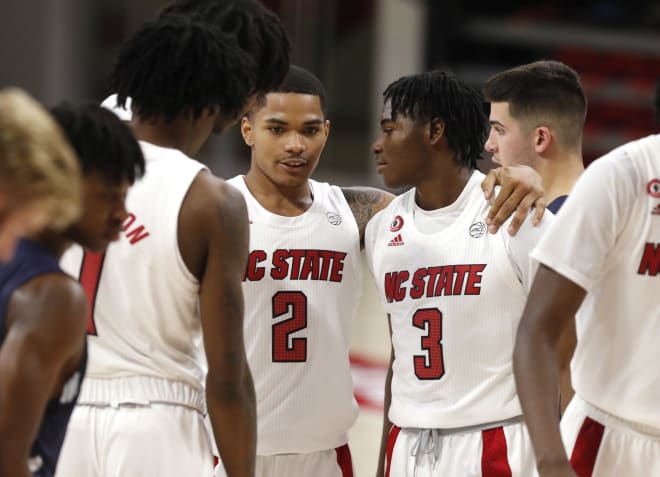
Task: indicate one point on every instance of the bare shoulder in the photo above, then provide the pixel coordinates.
(365, 202)
(53, 303)
(213, 198)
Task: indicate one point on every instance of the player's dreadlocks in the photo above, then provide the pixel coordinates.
(177, 64)
(438, 95)
(257, 30)
(103, 142)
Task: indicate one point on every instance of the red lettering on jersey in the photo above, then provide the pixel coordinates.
(253, 271)
(280, 266)
(650, 263)
(337, 266)
(394, 289)
(417, 283)
(473, 285)
(444, 284)
(461, 272)
(438, 281)
(301, 264)
(310, 267)
(135, 235)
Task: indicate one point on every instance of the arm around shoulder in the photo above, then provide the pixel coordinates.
(365, 202)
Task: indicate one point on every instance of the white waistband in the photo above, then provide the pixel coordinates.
(140, 390)
(610, 420)
(475, 428)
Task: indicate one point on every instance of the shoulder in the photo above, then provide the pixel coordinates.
(213, 205)
(53, 301)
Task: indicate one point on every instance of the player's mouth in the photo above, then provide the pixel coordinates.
(293, 164)
(380, 166)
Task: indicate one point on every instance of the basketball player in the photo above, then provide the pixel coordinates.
(43, 311)
(601, 260)
(184, 243)
(302, 283)
(537, 114)
(256, 30)
(39, 173)
(453, 292)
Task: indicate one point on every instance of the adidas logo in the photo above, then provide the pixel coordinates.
(656, 210)
(398, 240)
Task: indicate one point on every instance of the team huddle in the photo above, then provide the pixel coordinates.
(158, 320)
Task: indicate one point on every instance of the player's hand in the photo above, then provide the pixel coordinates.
(563, 469)
(521, 190)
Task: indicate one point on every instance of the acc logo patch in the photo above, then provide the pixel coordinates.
(653, 188)
(333, 218)
(477, 229)
(397, 224)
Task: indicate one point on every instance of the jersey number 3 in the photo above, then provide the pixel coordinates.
(285, 348)
(431, 365)
(90, 275)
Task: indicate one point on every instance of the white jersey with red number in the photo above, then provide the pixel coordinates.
(606, 239)
(144, 321)
(454, 294)
(301, 288)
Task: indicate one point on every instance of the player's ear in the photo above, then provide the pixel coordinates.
(326, 127)
(247, 131)
(542, 139)
(436, 130)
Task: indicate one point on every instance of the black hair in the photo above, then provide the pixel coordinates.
(176, 64)
(300, 81)
(540, 91)
(103, 143)
(256, 30)
(432, 95)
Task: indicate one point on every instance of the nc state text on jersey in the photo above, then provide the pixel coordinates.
(434, 281)
(297, 264)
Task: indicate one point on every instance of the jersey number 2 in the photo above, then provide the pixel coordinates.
(431, 365)
(285, 348)
(90, 275)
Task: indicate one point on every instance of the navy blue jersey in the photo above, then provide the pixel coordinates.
(30, 261)
(556, 204)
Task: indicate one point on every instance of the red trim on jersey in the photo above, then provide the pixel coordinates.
(494, 459)
(344, 460)
(391, 440)
(585, 451)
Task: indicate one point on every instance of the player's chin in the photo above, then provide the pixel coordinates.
(390, 179)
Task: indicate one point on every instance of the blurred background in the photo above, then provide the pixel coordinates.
(64, 49)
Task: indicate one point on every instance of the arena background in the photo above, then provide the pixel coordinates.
(64, 49)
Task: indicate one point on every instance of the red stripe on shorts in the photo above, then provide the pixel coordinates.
(391, 440)
(344, 460)
(585, 451)
(494, 459)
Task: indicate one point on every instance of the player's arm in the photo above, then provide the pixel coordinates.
(47, 331)
(365, 202)
(387, 424)
(521, 190)
(552, 303)
(221, 217)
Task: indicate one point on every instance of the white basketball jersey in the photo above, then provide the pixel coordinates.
(143, 298)
(301, 288)
(454, 297)
(606, 239)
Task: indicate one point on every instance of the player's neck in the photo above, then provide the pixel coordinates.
(559, 174)
(179, 133)
(441, 189)
(280, 200)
